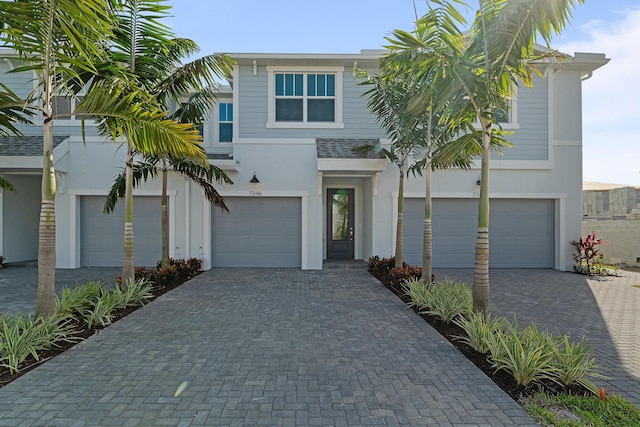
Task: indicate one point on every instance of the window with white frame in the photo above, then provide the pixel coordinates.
(305, 98)
(63, 106)
(225, 122)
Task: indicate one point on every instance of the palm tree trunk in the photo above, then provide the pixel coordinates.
(45, 299)
(481, 269)
(427, 238)
(165, 217)
(128, 272)
(400, 223)
(46, 296)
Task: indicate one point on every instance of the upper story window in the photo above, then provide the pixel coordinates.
(63, 107)
(225, 122)
(305, 98)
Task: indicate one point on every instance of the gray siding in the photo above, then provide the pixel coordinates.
(531, 140)
(252, 111)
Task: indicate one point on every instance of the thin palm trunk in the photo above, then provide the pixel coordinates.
(427, 238)
(400, 223)
(481, 268)
(128, 272)
(45, 298)
(165, 217)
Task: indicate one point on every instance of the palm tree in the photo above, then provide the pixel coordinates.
(58, 39)
(498, 54)
(436, 34)
(147, 50)
(204, 176)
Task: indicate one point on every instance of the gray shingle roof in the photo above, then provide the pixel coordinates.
(341, 148)
(25, 146)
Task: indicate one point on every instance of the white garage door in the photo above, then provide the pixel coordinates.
(259, 232)
(103, 235)
(521, 233)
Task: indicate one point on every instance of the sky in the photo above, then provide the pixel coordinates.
(611, 143)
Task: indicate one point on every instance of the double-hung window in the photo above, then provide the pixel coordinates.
(301, 98)
(225, 122)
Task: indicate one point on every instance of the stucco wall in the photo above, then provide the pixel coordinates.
(621, 237)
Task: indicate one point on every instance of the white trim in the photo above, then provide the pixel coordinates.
(467, 195)
(250, 193)
(357, 217)
(187, 220)
(207, 244)
(101, 192)
(373, 165)
(2, 218)
(271, 99)
(74, 232)
(275, 141)
(21, 162)
(561, 233)
(236, 102)
(304, 213)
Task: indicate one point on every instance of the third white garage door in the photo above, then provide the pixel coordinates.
(521, 232)
(259, 232)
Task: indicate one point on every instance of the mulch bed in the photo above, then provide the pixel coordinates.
(501, 378)
(82, 331)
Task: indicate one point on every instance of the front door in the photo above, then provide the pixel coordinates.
(340, 231)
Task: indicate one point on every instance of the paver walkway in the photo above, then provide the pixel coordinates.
(605, 309)
(263, 347)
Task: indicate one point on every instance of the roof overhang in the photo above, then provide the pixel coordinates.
(351, 166)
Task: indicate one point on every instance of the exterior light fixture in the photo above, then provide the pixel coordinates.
(255, 179)
(478, 182)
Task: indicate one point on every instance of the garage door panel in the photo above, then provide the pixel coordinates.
(258, 232)
(521, 233)
(102, 240)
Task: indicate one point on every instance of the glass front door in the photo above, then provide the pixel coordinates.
(340, 229)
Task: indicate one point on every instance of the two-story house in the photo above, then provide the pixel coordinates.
(283, 131)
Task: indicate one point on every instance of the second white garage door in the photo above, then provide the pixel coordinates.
(259, 232)
(521, 232)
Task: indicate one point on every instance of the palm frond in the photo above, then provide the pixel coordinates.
(142, 172)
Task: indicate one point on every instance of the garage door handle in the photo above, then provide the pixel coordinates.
(351, 233)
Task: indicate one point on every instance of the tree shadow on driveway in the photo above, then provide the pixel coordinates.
(603, 309)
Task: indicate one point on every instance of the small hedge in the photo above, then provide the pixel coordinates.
(178, 270)
(385, 270)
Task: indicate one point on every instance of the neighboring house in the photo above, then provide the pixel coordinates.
(283, 132)
(613, 212)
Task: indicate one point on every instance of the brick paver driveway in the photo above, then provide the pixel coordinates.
(263, 347)
(606, 310)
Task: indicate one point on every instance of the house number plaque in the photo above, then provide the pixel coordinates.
(254, 193)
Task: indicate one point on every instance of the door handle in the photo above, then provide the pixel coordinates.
(351, 233)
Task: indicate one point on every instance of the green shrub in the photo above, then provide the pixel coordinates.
(528, 354)
(102, 311)
(134, 294)
(574, 364)
(21, 336)
(418, 290)
(449, 299)
(73, 302)
(479, 329)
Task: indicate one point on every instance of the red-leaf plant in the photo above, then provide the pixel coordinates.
(587, 252)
